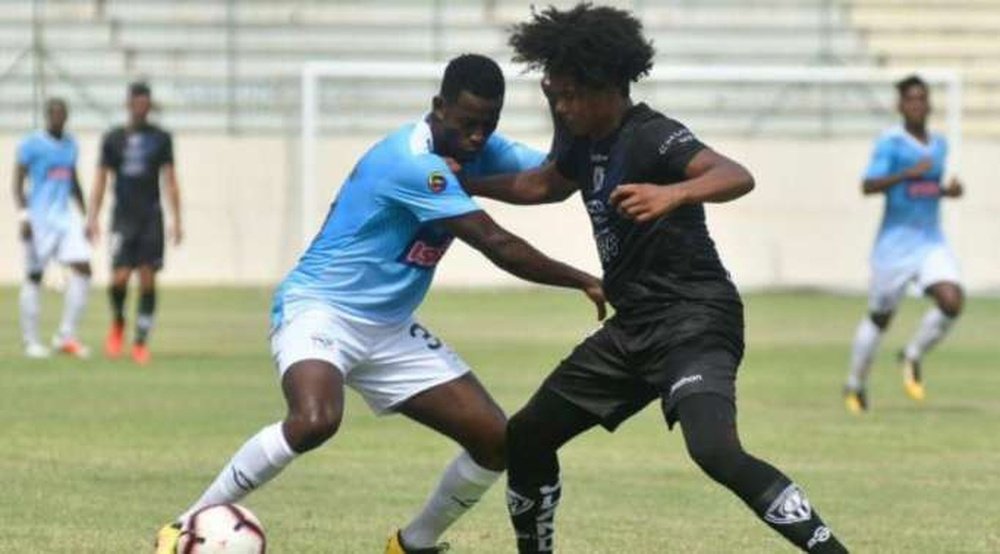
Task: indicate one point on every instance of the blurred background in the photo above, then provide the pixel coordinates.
(227, 81)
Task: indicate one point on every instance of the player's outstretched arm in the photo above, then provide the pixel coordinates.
(876, 185)
(711, 177)
(543, 185)
(512, 254)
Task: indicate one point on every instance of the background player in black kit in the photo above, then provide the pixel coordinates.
(677, 334)
(138, 154)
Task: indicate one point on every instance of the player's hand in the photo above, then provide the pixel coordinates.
(917, 171)
(646, 202)
(954, 189)
(93, 230)
(453, 165)
(595, 292)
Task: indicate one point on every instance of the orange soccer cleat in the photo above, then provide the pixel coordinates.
(71, 347)
(140, 354)
(115, 339)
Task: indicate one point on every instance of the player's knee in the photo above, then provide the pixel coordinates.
(35, 277)
(82, 269)
(490, 451)
(309, 428)
(881, 320)
(950, 301)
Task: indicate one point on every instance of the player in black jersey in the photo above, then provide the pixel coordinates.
(138, 154)
(677, 334)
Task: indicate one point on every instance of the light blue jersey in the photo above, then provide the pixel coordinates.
(375, 256)
(50, 162)
(911, 225)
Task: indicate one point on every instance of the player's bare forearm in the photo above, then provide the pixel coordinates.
(97, 194)
(536, 186)
(517, 257)
(711, 178)
(173, 191)
(78, 193)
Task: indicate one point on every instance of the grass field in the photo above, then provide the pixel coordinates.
(95, 456)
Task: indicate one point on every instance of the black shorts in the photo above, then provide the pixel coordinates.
(624, 366)
(137, 241)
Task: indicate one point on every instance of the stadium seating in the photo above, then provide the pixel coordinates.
(234, 66)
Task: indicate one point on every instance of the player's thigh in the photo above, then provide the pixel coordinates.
(705, 364)
(888, 286)
(600, 379)
(464, 411)
(940, 277)
(40, 248)
(150, 245)
(123, 245)
(73, 249)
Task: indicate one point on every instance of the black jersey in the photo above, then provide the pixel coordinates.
(650, 265)
(136, 156)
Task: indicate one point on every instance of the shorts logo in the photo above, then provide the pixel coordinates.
(518, 504)
(685, 381)
(821, 534)
(436, 182)
(790, 507)
(322, 342)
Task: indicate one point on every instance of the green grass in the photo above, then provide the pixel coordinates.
(95, 456)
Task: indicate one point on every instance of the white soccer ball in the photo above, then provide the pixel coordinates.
(222, 529)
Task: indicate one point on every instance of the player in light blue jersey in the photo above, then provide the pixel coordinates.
(908, 167)
(344, 315)
(50, 228)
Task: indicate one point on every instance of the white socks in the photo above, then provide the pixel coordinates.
(464, 482)
(933, 327)
(258, 461)
(75, 302)
(866, 340)
(30, 300)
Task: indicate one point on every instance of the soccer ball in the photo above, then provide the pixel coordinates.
(222, 529)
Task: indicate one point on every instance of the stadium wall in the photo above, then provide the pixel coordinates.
(806, 224)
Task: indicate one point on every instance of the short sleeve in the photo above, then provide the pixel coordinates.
(26, 152)
(108, 157)
(167, 157)
(430, 191)
(881, 162)
(503, 155)
(668, 147)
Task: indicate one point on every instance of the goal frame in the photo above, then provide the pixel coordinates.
(314, 72)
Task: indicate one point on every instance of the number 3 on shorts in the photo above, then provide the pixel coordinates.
(420, 332)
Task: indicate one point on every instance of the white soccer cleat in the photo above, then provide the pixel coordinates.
(70, 346)
(36, 351)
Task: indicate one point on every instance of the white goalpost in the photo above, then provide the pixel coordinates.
(316, 74)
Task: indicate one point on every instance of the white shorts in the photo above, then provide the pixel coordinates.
(67, 246)
(386, 364)
(889, 283)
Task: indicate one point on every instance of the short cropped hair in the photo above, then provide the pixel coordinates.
(475, 74)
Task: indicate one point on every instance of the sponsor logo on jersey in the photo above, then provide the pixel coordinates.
(790, 507)
(428, 247)
(684, 382)
(436, 182)
(59, 173)
(923, 189)
(821, 534)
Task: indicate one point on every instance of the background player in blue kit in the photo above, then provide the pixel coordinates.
(344, 315)
(908, 166)
(50, 228)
